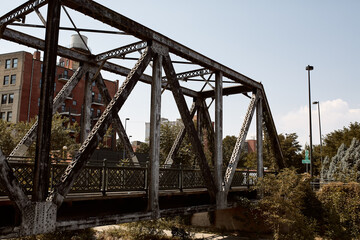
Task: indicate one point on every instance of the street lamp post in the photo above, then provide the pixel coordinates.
(126, 119)
(310, 68)
(318, 103)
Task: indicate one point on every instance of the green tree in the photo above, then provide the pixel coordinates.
(62, 134)
(291, 150)
(333, 140)
(228, 146)
(345, 165)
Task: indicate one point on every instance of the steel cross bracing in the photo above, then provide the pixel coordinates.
(39, 215)
(185, 75)
(21, 11)
(121, 52)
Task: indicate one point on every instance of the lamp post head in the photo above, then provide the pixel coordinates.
(309, 68)
(127, 119)
(316, 102)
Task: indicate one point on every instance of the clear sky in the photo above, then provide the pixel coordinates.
(269, 41)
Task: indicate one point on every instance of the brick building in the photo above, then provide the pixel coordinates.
(20, 86)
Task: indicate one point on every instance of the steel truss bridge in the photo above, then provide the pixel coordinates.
(41, 196)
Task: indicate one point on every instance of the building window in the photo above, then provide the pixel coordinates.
(11, 98)
(99, 97)
(41, 68)
(65, 74)
(2, 116)
(98, 112)
(9, 116)
(4, 99)
(14, 63)
(91, 112)
(54, 86)
(93, 83)
(13, 79)
(38, 102)
(40, 82)
(73, 119)
(6, 80)
(7, 63)
(63, 107)
(74, 102)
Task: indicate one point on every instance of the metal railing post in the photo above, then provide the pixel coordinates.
(103, 184)
(247, 178)
(145, 176)
(181, 178)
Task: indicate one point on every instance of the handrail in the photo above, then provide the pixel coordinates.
(112, 176)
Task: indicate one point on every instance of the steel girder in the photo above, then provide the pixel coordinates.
(42, 161)
(156, 45)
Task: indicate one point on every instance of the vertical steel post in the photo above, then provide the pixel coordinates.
(153, 197)
(42, 159)
(259, 138)
(220, 197)
(86, 117)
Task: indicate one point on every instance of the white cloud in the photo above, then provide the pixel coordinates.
(335, 114)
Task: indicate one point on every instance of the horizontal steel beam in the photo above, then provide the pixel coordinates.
(226, 91)
(116, 20)
(194, 73)
(69, 28)
(121, 51)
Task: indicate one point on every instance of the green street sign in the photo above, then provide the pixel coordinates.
(306, 160)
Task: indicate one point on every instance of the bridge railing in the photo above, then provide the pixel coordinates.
(110, 176)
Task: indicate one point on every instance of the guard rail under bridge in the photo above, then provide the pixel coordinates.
(167, 66)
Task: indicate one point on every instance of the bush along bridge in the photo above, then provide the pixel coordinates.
(42, 195)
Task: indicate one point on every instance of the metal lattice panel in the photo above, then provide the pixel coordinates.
(125, 179)
(239, 179)
(2, 190)
(90, 180)
(169, 179)
(24, 173)
(193, 179)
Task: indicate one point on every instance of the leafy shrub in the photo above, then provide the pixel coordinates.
(284, 205)
(341, 203)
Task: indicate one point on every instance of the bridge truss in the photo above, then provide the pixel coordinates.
(40, 213)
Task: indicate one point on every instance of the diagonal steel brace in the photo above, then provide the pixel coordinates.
(229, 174)
(30, 136)
(89, 145)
